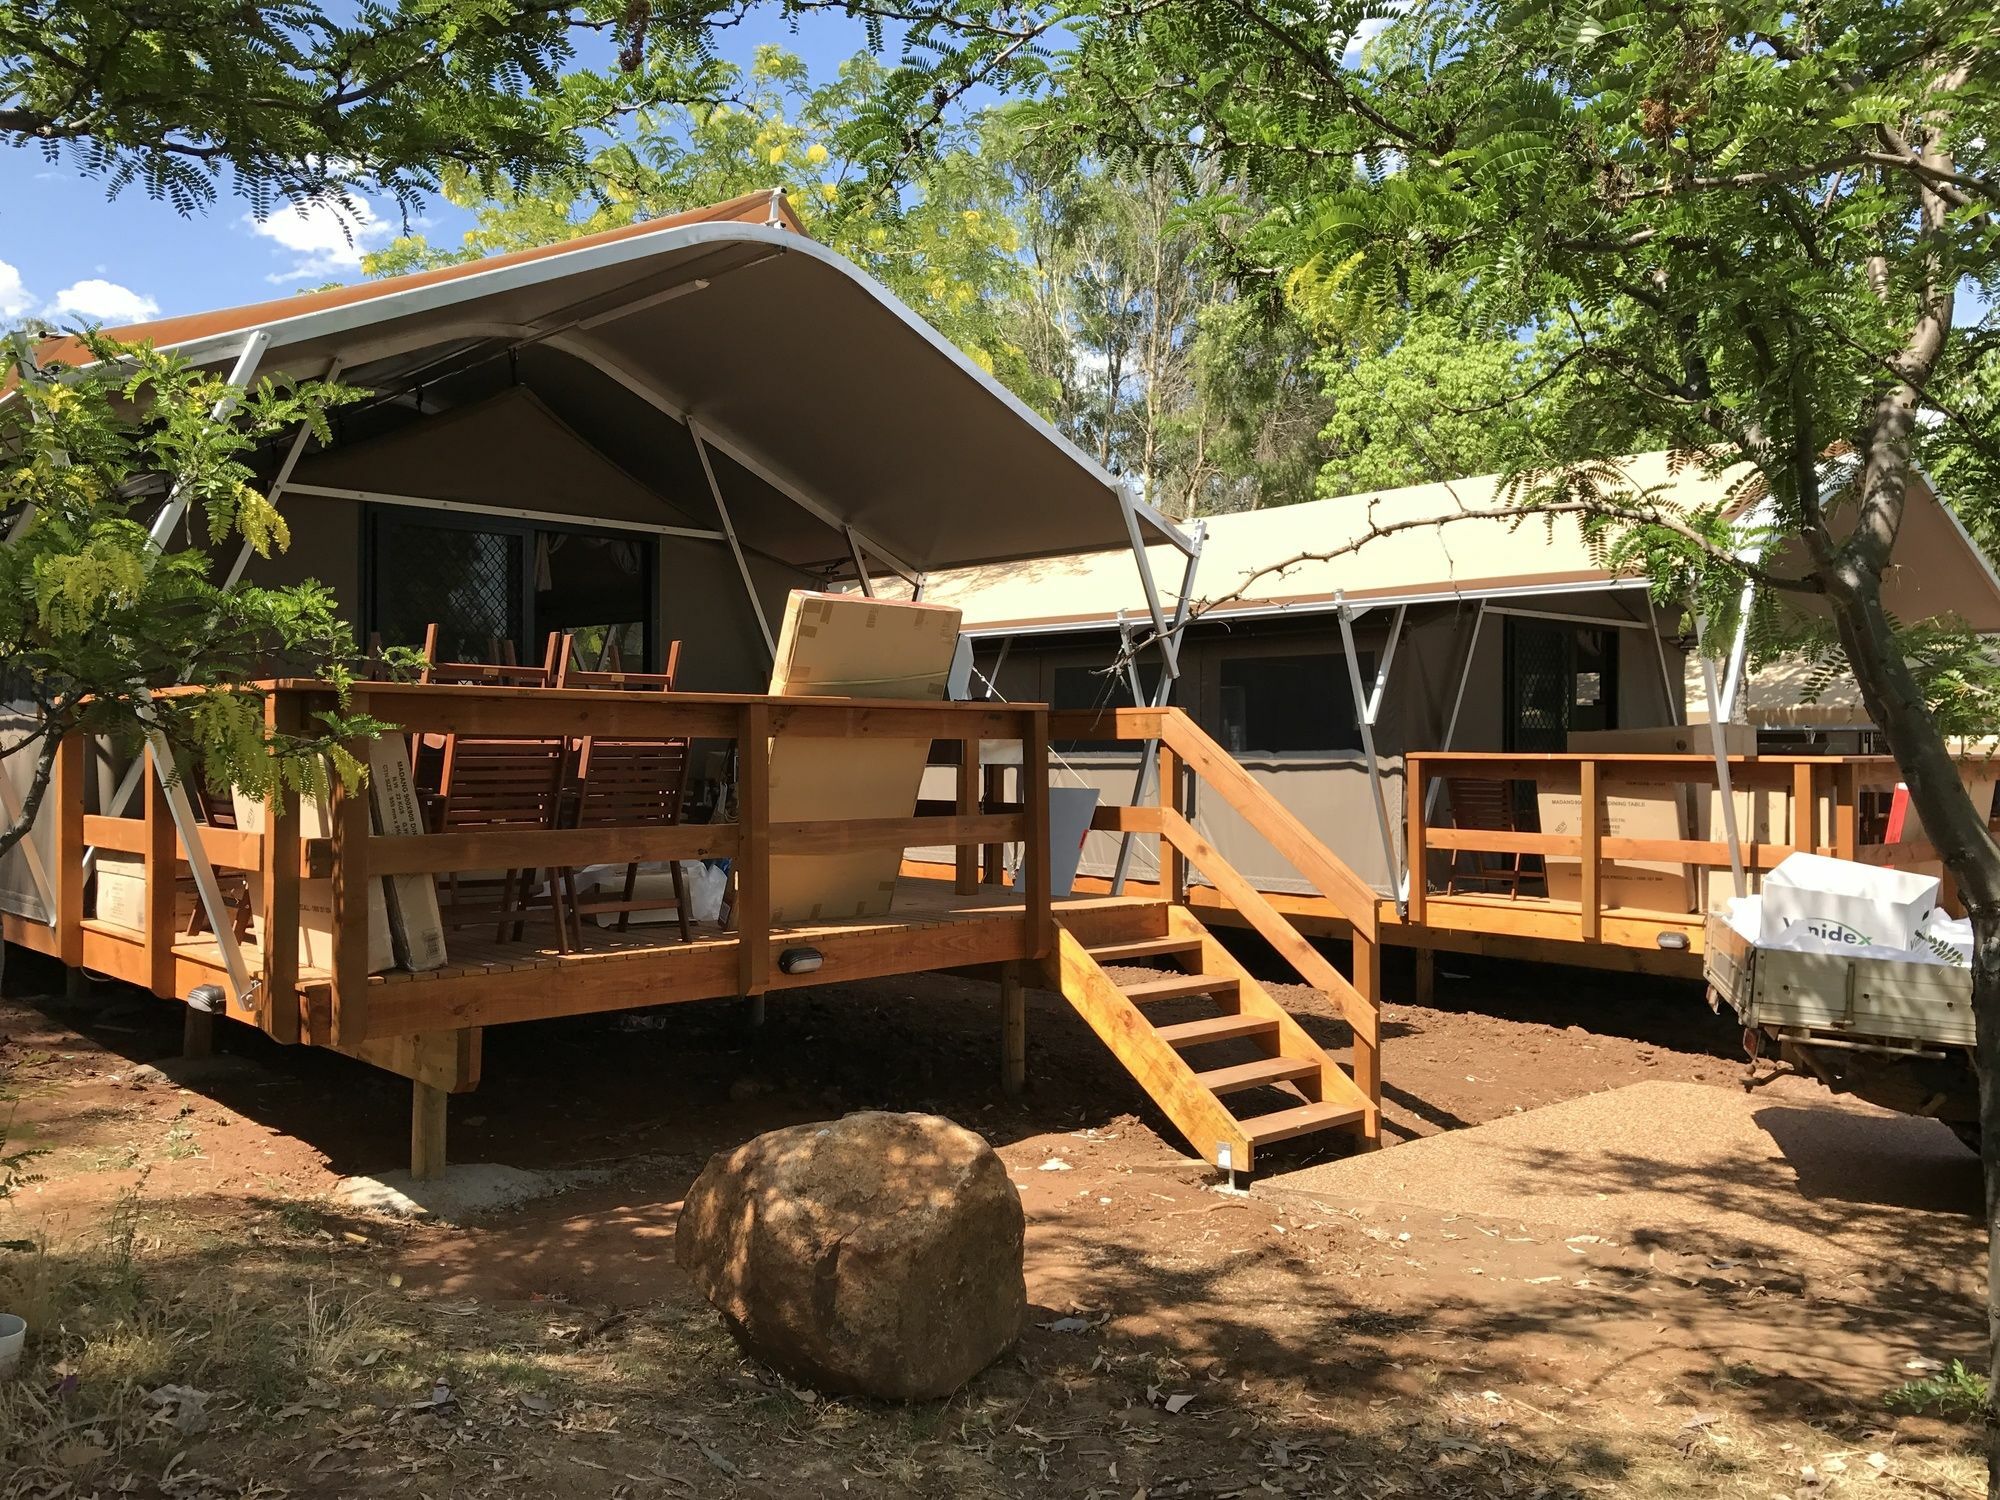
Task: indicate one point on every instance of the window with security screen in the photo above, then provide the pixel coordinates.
(1276, 704)
(468, 582)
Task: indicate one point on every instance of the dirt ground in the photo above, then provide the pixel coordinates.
(1720, 1305)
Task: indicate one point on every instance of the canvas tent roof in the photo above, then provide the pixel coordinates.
(1489, 556)
(508, 450)
(824, 402)
(1779, 696)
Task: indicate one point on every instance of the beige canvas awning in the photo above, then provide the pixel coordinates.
(1487, 553)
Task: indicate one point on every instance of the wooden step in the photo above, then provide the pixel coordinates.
(1302, 1120)
(1163, 947)
(1178, 986)
(1215, 1029)
(1251, 1075)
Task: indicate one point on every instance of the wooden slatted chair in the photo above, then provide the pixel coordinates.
(630, 784)
(1486, 805)
(497, 785)
(501, 672)
(562, 651)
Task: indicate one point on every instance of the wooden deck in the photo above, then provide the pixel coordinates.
(489, 982)
(426, 1024)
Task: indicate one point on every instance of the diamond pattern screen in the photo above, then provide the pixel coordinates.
(469, 582)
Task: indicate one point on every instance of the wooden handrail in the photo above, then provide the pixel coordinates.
(1271, 924)
(1812, 782)
(1354, 898)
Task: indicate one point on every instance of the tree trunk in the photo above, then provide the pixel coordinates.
(1986, 1022)
(1964, 841)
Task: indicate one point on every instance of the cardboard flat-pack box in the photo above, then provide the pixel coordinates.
(851, 646)
(416, 929)
(121, 893)
(1761, 814)
(1631, 808)
(316, 926)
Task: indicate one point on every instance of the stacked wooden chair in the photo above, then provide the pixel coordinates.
(490, 783)
(627, 783)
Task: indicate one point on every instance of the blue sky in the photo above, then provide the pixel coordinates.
(69, 253)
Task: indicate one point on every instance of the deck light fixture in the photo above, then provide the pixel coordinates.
(208, 999)
(1673, 942)
(800, 961)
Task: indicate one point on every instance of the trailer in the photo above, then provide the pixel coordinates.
(1897, 1034)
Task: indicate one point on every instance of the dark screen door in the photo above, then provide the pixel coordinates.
(1560, 678)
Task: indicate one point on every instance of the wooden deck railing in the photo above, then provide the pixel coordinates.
(277, 859)
(1186, 751)
(1824, 814)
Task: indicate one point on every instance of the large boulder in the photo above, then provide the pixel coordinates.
(875, 1255)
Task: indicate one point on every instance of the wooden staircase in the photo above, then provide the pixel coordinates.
(1299, 1088)
(1227, 1106)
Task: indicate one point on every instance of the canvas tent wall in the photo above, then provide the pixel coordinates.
(1476, 598)
(733, 403)
(1452, 599)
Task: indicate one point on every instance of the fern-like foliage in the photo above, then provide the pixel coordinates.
(97, 625)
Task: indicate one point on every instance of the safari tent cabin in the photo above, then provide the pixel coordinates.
(644, 441)
(1495, 659)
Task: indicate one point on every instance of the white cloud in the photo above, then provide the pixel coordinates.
(14, 298)
(326, 239)
(95, 300)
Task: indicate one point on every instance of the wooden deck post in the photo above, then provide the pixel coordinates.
(278, 997)
(1805, 808)
(1035, 845)
(1414, 851)
(67, 791)
(1846, 811)
(753, 865)
(352, 828)
(1590, 918)
(968, 807)
(1368, 1037)
(427, 1130)
(1173, 863)
(197, 1032)
(993, 858)
(1013, 1030)
(1426, 986)
(162, 885)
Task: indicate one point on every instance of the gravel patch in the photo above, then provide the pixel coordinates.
(462, 1193)
(1716, 1168)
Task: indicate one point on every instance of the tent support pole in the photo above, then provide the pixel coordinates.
(1667, 684)
(182, 810)
(992, 679)
(1169, 638)
(860, 562)
(38, 872)
(1457, 703)
(1739, 651)
(1364, 714)
(239, 377)
(1719, 747)
(736, 547)
(169, 517)
(283, 478)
